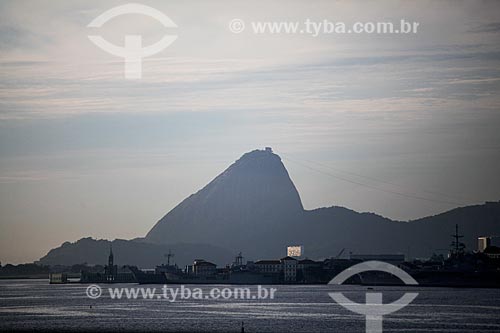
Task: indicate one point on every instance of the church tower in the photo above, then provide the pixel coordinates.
(110, 270)
(110, 258)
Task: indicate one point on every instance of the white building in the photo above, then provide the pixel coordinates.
(483, 243)
(295, 251)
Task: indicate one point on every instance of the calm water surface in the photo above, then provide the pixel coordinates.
(36, 305)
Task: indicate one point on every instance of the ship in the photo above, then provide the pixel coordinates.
(202, 272)
(461, 269)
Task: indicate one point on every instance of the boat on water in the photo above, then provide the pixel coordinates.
(162, 276)
(432, 278)
(478, 269)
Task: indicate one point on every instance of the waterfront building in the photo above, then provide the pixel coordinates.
(289, 267)
(111, 273)
(58, 278)
(268, 266)
(204, 268)
(493, 252)
(483, 243)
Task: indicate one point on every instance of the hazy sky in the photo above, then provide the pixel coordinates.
(381, 123)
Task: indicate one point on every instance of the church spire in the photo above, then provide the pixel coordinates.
(110, 258)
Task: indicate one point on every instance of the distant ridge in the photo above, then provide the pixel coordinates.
(254, 207)
(130, 252)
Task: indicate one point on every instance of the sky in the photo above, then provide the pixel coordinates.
(403, 125)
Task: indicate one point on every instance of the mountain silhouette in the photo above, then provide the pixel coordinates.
(130, 252)
(254, 207)
(248, 203)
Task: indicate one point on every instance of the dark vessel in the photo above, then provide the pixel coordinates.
(461, 269)
(203, 272)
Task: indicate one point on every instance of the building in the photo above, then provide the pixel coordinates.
(58, 278)
(111, 273)
(493, 252)
(285, 267)
(307, 264)
(204, 268)
(483, 243)
(309, 271)
(289, 267)
(394, 259)
(296, 251)
(487, 241)
(268, 266)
